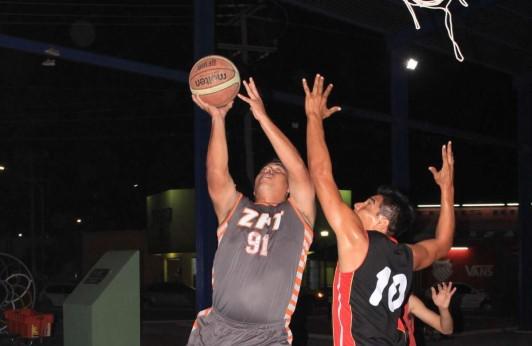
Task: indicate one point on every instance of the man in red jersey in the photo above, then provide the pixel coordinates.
(374, 272)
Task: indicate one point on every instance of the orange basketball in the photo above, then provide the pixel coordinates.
(215, 79)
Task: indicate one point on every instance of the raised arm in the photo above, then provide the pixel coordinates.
(427, 251)
(351, 237)
(300, 186)
(442, 322)
(220, 184)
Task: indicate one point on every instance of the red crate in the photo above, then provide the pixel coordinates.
(28, 324)
(11, 317)
(15, 319)
(36, 326)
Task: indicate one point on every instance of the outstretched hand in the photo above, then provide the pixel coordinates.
(445, 176)
(253, 99)
(212, 110)
(316, 100)
(442, 297)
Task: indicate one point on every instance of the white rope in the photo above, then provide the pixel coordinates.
(437, 5)
(14, 286)
(18, 285)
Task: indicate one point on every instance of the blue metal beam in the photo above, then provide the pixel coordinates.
(206, 222)
(39, 48)
(76, 55)
(399, 129)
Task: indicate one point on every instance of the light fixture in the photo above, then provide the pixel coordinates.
(20, 235)
(324, 233)
(459, 248)
(52, 52)
(433, 205)
(428, 205)
(79, 221)
(48, 62)
(483, 205)
(411, 64)
(2, 168)
(135, 185)
(512, 204)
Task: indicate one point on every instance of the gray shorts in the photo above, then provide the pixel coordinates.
(216, 330)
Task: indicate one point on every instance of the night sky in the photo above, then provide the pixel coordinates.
(80, 136)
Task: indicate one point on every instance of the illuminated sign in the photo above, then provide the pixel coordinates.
(480, 270)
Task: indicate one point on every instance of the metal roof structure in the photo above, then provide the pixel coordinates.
(87, 126)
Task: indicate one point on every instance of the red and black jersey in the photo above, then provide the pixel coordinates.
(367, 303)
(407, 322)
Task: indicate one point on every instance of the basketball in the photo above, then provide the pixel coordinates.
(215, 79)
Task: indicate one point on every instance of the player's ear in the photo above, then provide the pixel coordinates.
(382, 223)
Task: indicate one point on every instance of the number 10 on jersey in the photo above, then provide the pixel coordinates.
(398, 284)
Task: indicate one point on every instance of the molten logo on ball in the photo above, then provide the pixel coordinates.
(215, 80)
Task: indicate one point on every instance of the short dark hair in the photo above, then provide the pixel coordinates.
(275, 161)
(397, 209)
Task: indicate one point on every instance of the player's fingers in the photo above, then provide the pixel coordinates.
(320, 85)
(244, 98)
(450, 156)
(452, 291)
(305, 86)
(332, 110)
(316, 82)
(433, 170)
(194, 99)
(328, 90)
(248, 89)
(253, 87)
(199, 101)
(227, 106)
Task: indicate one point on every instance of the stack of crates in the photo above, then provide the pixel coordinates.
(27, 323)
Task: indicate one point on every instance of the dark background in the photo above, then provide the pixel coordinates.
(80, 136)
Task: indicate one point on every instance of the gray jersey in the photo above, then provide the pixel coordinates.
(259, 263)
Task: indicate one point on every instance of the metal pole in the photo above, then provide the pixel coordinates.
(32, 215)
(524, 113)
(399, 130)
(205, 219)
(248, 125)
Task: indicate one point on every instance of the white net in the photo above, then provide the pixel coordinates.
(17, 287)
(438, 5)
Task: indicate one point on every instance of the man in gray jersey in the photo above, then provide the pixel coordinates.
(262, 245)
